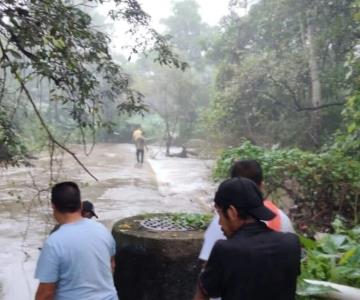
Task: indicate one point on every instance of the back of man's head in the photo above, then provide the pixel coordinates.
(243, 194)
(65, 196)
(250, 169)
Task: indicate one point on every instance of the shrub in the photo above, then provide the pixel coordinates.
(332, 257)
(321, 185)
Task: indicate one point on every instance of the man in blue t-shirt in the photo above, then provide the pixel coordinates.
(77, 260)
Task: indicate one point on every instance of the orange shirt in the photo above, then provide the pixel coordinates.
(274, 224)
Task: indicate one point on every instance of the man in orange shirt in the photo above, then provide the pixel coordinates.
(251, 169)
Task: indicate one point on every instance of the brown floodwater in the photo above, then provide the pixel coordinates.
(124, 188)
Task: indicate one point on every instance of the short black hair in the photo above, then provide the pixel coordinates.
(245, 196)
(241, 213)
(65, 196)
(250, 169)
(226, 196)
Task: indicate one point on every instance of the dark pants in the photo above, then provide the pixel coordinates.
(140, 155)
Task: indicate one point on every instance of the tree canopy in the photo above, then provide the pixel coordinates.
(284, 63)
(55, 41)
(178, 96)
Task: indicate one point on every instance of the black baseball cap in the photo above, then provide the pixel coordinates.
(87, 206)
(243, 194)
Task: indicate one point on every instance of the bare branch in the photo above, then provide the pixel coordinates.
(298, 106)
(50, 135)
(37, 112)
(320, 106)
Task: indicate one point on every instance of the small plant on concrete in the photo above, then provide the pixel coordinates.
(192, 220)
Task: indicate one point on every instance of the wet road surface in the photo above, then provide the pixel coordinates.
(124, 189)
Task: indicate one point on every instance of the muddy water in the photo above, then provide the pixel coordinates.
(124, 189)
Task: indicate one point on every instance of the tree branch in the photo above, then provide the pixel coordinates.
(51, 137)
(298, 106)
(14, 38)
(320, 106)
(37, 112)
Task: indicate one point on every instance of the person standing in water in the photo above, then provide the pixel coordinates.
(139, 141)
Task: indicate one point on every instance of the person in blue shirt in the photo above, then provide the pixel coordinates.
(77, 260)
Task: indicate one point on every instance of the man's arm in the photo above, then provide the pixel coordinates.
(209, 282)
(47, 271)
(112, 263)
(199, 294)
(45, 291)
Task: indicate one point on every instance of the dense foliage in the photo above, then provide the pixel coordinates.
(53, 43)
(283, 72)
(348, 139)
(11, 148)
(321, 185)
(331, 257)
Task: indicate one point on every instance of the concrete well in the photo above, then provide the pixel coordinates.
(155, 265)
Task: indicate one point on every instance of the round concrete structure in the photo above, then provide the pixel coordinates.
(155, 265)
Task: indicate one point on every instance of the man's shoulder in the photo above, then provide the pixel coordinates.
(84, 226)
(286, 224)
(266, 236)
(87, 231)
(284, 240)
(290, 238)
(226, 250)
(54, 240)
(223, 246)
(286, 235)
(95, 225)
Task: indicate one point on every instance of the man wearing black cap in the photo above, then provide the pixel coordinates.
(255, 262)
(88, 210)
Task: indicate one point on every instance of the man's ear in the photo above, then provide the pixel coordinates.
(262, 185)
(232, 213)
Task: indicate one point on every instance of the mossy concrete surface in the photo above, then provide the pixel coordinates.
(155, 265)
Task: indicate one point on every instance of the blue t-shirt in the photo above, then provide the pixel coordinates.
(77, 257)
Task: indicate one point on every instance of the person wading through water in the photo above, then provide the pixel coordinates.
(139, 141)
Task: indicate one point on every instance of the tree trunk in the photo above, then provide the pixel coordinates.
(168, 144)
(168, 139)
(316, 98)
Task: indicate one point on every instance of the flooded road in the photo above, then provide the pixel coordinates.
(124, 189)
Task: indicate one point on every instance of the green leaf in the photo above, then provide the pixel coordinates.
(307, 243)
(309, 289)
(347, 255)
(59, 43)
